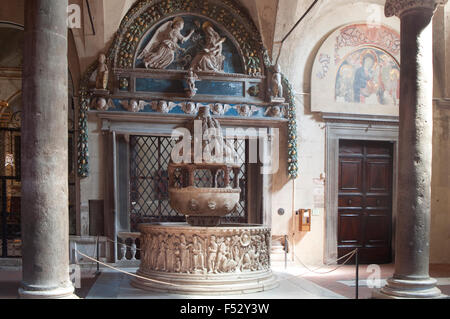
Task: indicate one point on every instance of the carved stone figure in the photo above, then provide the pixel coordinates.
(101, 104)
(219, 109)
(236, 250)
(162, 106)
(191, 77)
(161, 261)
(177, 263)
(189, 108)
(169, 245)
(276, 85)
(146, 255)
(231, 264)
(133, 105)
(184, 254)
(246, 110)
(154, 252)
(275, 111)
(101, 82)
(198, 256)
(160, 51)
(211, 58)
(222, 256)
(212, 254)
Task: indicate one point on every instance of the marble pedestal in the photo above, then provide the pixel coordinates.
(183, 259)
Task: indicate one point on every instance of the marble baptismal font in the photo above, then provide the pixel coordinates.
(204, 256)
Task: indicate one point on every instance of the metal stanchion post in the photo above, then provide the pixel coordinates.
(357, 274)
(98, 256)
(285, 251)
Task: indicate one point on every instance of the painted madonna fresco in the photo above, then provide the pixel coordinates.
(368, 76)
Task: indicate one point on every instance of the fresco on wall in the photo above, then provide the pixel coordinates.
(368, 76)
(357, 71)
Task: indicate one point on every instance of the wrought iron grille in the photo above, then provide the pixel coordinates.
(10, 230)
(149, 197)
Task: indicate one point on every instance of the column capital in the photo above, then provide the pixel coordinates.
(398, 7)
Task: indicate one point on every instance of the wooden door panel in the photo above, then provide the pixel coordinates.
(351, 172)
(377, 149)
(352, 148)
(350, 201)
(379, 202)
(349, 228)
(365, 200)
(377, 229)
(378, 176)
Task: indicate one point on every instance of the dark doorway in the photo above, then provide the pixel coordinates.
(365, 200)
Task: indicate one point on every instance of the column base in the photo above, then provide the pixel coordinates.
(408, 288)
(59, 293)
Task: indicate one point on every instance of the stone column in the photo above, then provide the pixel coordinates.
(45, 218)
(411, 277)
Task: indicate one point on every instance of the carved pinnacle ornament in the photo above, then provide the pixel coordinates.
(398, 7)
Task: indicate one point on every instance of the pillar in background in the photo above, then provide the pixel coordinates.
(412, 252)
(45, 221)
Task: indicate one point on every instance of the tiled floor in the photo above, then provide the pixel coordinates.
(294, 283)
(10, 278)
(117, 285)
(343, 281)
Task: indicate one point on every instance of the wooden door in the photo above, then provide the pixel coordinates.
(365, 200)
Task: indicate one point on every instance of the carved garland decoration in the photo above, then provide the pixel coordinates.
(147, 13)
(292, 119)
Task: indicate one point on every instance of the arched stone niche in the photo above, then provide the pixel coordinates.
(357, 71)
(136, 84)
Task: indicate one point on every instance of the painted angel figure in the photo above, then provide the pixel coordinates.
(160, 51)
(211, 58)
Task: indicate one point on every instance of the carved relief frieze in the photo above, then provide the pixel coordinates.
(215, 251)
(100, 103)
